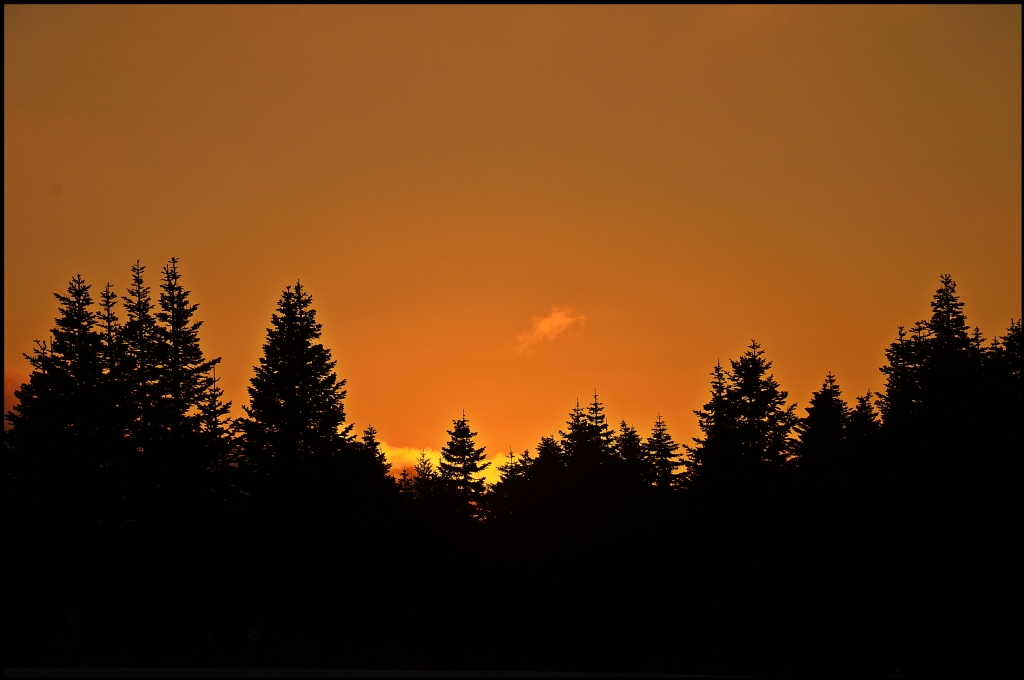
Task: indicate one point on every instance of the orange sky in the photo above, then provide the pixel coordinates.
(501, 208)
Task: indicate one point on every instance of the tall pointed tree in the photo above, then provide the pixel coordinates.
(764, 421)
(113, 394)
(824, 428)
(630, 449)
(462, 462)
(424, 484)
(588, 439)
(712, 455)
(660, 450)
(215, 426)
(184, 373)
(549, 452)
(934, 370)
(58, 407)
(747, 427)
(142, 348)
(863, 421)
(296, 412)
(372, 455)
(110, 331)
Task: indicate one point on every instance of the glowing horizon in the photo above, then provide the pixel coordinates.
(500, 209)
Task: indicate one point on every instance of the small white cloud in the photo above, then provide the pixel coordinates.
(547, 328)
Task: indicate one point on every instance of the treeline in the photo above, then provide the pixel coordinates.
(152, 529)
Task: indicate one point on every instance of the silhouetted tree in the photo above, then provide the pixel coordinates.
(296, 411)
(1003, 361)
(863, 421)
(461, 463)
(824, 428)
(747, 428)
(423, 485)
(587, 440)
(142, 347)
(110, 330)
(215, 427)
(660, 450)
(58, 409)
(933, 371)
(372, 454)
(630, 448)
(514, 469)
(713, 455)
(549, 452)
(764, 422)
(184, 374)
(113, 386)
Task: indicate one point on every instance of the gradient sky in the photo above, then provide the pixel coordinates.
(500, 209)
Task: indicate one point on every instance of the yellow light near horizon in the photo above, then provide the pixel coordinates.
(500, 209)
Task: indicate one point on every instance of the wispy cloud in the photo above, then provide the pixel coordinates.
(547, 328)
(405, 457)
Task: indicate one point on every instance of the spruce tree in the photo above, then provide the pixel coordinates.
(549, 452)
(372, 454)
(588, 439)
(142, 349)
(824, 428)
(110, 332)
(933, 372)
(863, 421)
(947, 326)
(405, 482)
(58, 408)
(549, 462)
(461, 462)
(296, 412)
(514, 469)
(113, 397)
(660, 450)
(712, 455)
(1005, 353)
(576, 434)
(747, 427)
(764, 422)
(424, 484)
(215, 426)
(184, 381)
(630, 449)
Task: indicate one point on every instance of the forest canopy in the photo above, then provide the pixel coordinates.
(775, 540)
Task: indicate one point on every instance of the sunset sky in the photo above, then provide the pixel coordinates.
(500, 209)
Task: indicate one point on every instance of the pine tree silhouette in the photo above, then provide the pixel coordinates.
(373, 456)
(423, 486)
(143, 347)
(747, 428)
(110, 330)
(215, 427)
(863, 421)
(764, 422)
(630, 449)
(716, 453)
(824, 428)
(660, 450)
(933, 371)
(549, 452)
(184, 373)
(461, 463)
(296, 411)
(587, 440)
(58, 408)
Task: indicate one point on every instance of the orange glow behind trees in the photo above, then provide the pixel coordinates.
(499, 209)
